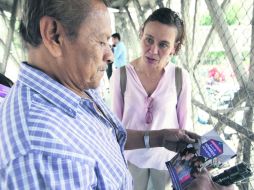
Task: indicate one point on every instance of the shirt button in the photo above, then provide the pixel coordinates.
(81, 102)
(72, 113)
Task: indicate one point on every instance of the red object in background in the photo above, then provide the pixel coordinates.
(212, 72)
(216, 75)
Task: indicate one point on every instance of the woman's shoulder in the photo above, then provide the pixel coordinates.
(134, 62)
(131, 66)
(172, 67)
(117, 73)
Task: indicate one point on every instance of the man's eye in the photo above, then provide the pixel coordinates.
(103, 44)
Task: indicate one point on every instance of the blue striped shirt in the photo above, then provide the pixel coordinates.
(50, 138)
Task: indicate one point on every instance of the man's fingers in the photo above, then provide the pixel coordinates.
(180, 146)
(193, 135)
(189, 137)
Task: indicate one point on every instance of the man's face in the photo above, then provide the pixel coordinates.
(114, 41)
(85, 59)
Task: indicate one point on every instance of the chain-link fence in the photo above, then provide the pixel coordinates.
(219, 55)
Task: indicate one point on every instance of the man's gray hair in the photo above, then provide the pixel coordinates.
(70, 13)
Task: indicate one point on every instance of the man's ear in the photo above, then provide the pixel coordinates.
(52, 34)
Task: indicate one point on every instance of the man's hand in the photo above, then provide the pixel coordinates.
(177, 139)
(203, 181)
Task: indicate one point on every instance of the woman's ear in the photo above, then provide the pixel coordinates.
(176, 47)
(172, 52)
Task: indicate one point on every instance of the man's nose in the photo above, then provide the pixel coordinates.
(109, 56)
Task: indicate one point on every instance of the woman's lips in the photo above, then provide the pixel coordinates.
(151, 60)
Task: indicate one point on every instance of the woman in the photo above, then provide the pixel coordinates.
(150, 100)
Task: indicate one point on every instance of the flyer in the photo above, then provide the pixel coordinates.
(210, 152)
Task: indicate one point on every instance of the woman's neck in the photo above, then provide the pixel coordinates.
(143, 68)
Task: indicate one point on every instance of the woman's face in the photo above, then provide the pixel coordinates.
(158, 43)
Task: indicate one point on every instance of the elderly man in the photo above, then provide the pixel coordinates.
(55, 131)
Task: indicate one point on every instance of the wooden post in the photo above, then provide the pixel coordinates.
(239, 128)
(141, 17)
(160, 3)
(168, 3)
(185, 7)
(9, 37)
(248, 114)
(209, 39)
(131, 20)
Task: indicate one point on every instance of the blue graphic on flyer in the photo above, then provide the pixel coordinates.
(211, 149)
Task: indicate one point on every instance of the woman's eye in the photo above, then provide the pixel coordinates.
(149, 41)
(163, 45)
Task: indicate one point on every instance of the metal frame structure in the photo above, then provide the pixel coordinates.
(129, 25)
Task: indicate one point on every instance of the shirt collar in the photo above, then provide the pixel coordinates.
(62, 97)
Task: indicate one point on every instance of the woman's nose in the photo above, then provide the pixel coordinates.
(154, 49)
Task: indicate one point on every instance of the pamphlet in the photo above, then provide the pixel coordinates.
(210, 152)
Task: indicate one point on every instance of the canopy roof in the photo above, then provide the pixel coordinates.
(7, 4)
(116, 3)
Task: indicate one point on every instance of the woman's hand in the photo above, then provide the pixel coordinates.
(177, 139)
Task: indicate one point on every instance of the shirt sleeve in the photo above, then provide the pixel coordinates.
(117, 99)
(118, 51)
(184, 103)
(37, 171)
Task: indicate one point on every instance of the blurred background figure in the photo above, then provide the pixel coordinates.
(119, 49)
(110, 66)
